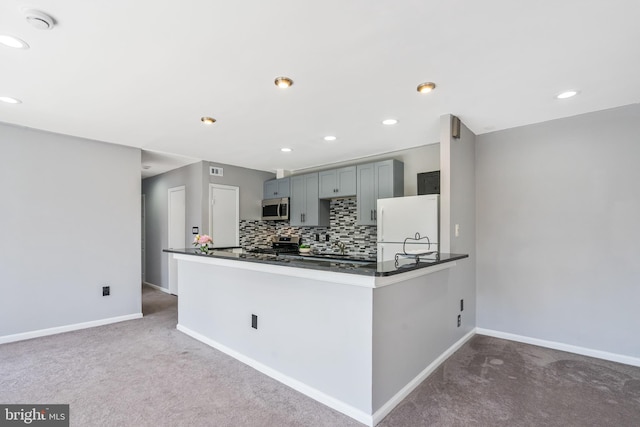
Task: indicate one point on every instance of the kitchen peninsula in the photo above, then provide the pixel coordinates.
(355, 336)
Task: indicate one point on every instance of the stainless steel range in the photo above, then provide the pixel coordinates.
(279, 245)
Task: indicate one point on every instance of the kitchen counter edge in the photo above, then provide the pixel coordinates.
(380, 269)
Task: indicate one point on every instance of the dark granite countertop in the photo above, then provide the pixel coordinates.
(347, 265)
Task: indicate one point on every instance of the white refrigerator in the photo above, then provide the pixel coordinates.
(408, 226)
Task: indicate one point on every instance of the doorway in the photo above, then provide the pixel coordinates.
(177, 231)
(224, 215)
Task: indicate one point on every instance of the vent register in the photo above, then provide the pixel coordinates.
(216, 171)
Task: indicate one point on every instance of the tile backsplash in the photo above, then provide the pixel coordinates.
(256, 233)
(358, 240)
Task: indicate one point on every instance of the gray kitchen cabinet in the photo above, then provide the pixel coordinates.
(337, 182)
(379, 180)
(277, 188)
(307, 210)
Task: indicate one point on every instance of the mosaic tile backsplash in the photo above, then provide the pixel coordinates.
(358, 240)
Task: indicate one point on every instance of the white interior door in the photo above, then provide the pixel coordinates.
(177, 231)
(224, 215)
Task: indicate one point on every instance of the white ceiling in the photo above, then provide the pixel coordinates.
(154, 163)
(143, 72)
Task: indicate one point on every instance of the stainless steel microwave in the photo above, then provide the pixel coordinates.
(275, 209)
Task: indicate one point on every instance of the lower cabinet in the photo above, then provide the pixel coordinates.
(307, 209)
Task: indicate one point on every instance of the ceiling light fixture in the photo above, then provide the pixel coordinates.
(567, 94)
(286, 150)
(146, 167)
(283, 82)
(10, 100)
(389, 122)
(330, 138)
(207, 120)
(426, 87)
(13, 42)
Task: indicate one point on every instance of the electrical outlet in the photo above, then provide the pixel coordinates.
(106, 291)
(254, 321)
(461, 305)
(326, 237)
(317, 237)
(457, 230)
(459, 320)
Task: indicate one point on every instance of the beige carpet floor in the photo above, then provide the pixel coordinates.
(146, 373)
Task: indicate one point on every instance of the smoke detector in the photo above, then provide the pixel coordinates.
(39, 20)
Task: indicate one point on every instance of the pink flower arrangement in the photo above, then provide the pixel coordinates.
(203, 241)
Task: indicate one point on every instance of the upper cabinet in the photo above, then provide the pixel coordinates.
(337, 183)
(307, 210)
(379, 180)
(277, 188)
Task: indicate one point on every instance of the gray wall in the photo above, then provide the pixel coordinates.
(461, 173)
(155, 190)
(70, 223)
(558, 230)
(250, 182)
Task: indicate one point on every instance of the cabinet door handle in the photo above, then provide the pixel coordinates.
(371, 212)
(300, 217)
(375, 215)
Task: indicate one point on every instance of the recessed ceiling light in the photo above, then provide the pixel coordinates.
(426, 87)
(330, 138)
(389, 122)
(145, 167)
(13, 42)
(283, 82)
(567, 94)
(10, 100)
(207, 120)
(286, 150)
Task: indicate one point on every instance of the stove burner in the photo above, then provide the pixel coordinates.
(279, 245)
(273, 251)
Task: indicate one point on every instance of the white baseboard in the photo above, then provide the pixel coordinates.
(303, 388)
(159, 288)
(404, 392)
(620, 358)
(66, 328)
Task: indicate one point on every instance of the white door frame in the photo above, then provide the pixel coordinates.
(237, 219)
(144, 240)
(172, 264)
